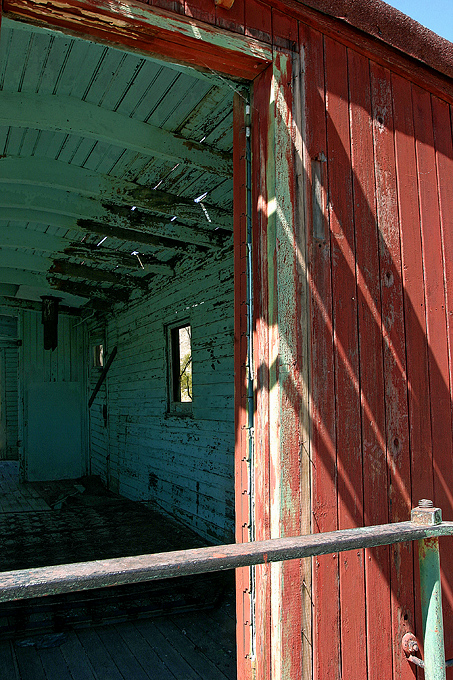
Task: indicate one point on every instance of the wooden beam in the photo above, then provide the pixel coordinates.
(82, 271)
(87, 251)
(21, 277)
(19, 303)
(67, 578)
(98, 297)
(16, 259)
(84, 290)
(66, 114)
(103, 376)
(47, 200)
(133, 236)
(21, 214)
(144, 29)
(43, 172)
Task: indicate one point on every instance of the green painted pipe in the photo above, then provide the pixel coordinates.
(431, 601)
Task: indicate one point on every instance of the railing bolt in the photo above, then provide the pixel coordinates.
(410, 643)
(425, 503)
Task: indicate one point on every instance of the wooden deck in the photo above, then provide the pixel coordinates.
(188, 645)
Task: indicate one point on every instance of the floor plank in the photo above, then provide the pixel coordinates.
(29, 663)
(209, 639)
(7, 661)
(194, 647)
(101, 661)
(170, 654)
(150, 661)
(54, 664)
(78, 663)
(190, 650)
(120, 653)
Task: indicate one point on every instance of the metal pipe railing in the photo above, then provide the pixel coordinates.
(426, 526)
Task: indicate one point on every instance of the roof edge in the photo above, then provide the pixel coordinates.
(392, 27)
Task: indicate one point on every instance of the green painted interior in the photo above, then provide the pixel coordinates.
(116, 196)
(93, 139)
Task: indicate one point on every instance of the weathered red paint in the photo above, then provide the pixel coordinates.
(232, 19)
(260, 132)
(203, 10)
(375, 503)
(105, 20)
(434, 283)
(284, 30)
(326, 658)
(347, 403)
(258, 20)
(394, 360)
(243, 604)
(380, 293)
(291, 327)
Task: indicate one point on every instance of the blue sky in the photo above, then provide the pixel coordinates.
(435, 14)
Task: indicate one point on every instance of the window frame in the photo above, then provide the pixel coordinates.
(175, 407)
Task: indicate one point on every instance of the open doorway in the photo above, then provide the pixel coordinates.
(117, 207)
(117, 202)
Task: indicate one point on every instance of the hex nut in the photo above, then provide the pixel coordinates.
(426, 516)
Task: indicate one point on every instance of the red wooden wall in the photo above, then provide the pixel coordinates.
(381, 311)
(380, 325)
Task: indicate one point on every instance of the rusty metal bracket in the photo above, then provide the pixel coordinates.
(421, 664)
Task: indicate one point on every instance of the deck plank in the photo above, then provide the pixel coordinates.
(7, 665)
(54, 664)
(150, 661)
(178, 666)
(208, 638)
(101, 661)
(120, 653)
(29, 663)
(76, 659)
(142, 649)
(191, 652)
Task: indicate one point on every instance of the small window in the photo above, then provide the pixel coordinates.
(180, 364)
(98, 356)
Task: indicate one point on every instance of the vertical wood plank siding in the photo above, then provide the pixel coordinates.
(63, 365)
(243, 463)
(380, 339)
(9, 390)
(182, 464)
(381, 364)
(261, 89)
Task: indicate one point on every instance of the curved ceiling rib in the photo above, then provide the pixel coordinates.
(30, 199)
(73, 116)
(114, 169)
(45, 172)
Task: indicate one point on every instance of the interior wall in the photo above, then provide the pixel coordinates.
(9, 387)
(98, 413)
(53, 396)
(182, 463)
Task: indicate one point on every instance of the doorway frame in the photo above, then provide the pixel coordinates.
(276, 466)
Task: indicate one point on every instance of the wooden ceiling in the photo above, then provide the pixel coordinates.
(114, 168)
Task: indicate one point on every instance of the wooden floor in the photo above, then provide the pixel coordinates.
(193, 646)
(185, 646)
